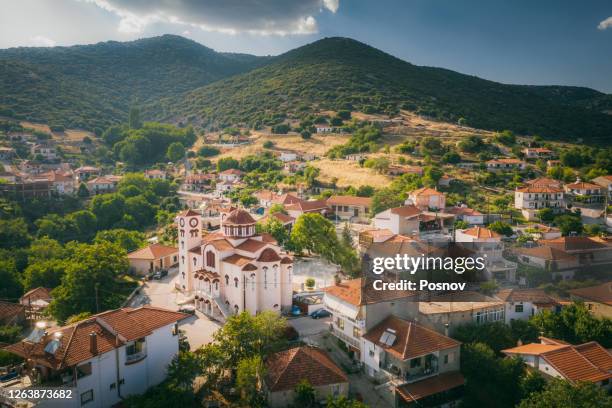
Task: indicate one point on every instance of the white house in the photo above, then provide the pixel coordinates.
(350, 207)
(558, 359)
(287, 156)
(234, 269)
(155, 174)
(521, 304)
(230, 175)
(585, 192)
(466, 214)
(399, 220)
(487, 244)
(106, 357)
(47, 152)
(324, 128)
(505, 164)
(537, 153)
(533, 198)
(426, 198)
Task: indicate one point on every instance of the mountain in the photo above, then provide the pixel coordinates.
(341, 73)
(92, 86)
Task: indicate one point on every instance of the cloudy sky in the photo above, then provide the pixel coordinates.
(563, 42)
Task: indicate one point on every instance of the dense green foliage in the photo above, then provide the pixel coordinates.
(563, 394)
(341, 74)
(92, 86)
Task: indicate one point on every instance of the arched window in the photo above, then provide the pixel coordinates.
(183, 259)
(183, 244)
(195, 261)
(265, 270)
(210, 259)
(216, 285)
(275, 269)
(235, 282)
(252, 282)
(226, 280)
(236, 309)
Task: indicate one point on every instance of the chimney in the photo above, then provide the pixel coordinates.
(93, 343)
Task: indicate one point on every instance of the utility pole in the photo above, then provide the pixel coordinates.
(97, 304)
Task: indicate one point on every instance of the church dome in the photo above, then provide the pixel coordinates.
(239, 217)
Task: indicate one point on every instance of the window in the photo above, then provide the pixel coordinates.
(356, 332)
(235, 282)
(83, 370)
(340, 323)
(446, 359)
(518, 308)
(175, 329)
(371, 353)
(210, 259)
(415, 362)
(135, 351)
(86, 397)
(226, 280)
(113, 386)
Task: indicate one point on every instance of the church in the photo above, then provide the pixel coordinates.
(234, 269)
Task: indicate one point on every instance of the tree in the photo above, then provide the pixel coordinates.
(451, 157)
(108, 208)
(10, 334)
(208, 151)
(176, 151)
(226, 163)
(304, 394)
(501, 228)
(275, 228)
(574, 324)
(432, 175)
(11, 286)
(384, 199)
(86, 224)
(128, 240)
(14, 233)
(249, 376)
(78, 317)
(45, 273)
(305, 134)
(134, 118)
(90, 282)
(82, 192)
(568, 224)
(281, 129)
(496, 335)
(183, 370)
(562, 394)
(546, 215)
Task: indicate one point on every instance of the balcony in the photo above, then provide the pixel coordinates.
(347, 339)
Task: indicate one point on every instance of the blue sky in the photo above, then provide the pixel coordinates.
(513, 41)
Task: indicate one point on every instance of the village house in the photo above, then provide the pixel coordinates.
(27, 187)
(62, 182)
(559, 263)
(232, 270)
(286, 369)
(422, 364)
(558, 359)
(324, 128)
(445, 313)
(293, 167)
(267, 198)
(399, 169)
(505, 164)
(522, 304)
(356, 157)
(152, 258)
(198, 182)
(598, 298)
(223, 187)
(605, 182)
(466, 214)
(530, 199)
(84, 173)
(537, 153)
(36, 300)
(356, 308)
(488, 245)
(427, 199)
(7, 153)
(103, 184)
(103, 358)
(285, 219)
(31, 167)
(300, 207)
(46, 151)
(553, 163)
(155, 174)
(544, 182)
(588, 250)
(585, 192)
(541, 231)
(399, 220)
(350, 208)
(230, 175)
(287, 156)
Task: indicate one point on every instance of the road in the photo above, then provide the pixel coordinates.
(198, 329)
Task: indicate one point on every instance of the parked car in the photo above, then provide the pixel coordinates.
(189, 309)
(295, 310)
(163, 272)
(320, 313)
(157, 275)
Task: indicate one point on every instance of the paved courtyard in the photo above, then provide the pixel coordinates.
(198, 329)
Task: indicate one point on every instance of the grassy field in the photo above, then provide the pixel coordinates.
(348, 173)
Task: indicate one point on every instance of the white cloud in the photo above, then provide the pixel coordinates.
(261, 17)
(42, 41)
(607, 23)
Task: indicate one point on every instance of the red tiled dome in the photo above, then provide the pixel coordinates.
(239, 217)
(268, 255)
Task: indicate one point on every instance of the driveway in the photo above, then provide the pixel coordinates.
(198, 329)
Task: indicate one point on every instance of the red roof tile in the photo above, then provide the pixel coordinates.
(430, 386)
(286, 369)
